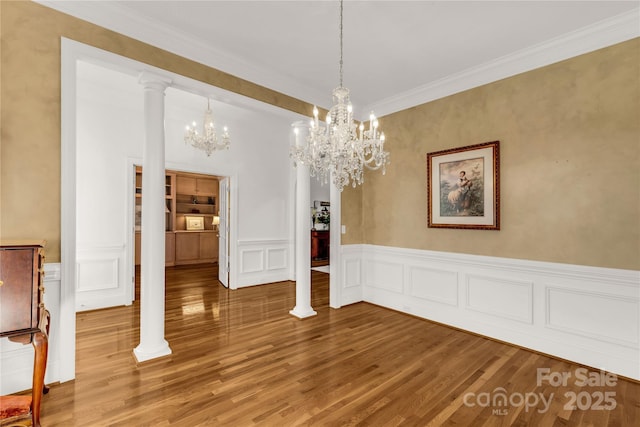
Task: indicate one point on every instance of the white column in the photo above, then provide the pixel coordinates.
(303, 233)
(152, 255)
(335, 243)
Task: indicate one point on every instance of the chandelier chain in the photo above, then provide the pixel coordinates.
(341, 62)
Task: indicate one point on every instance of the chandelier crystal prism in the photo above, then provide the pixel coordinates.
(338, 149)
(207, 141)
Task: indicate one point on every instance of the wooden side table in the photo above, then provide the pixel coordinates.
(24, 318)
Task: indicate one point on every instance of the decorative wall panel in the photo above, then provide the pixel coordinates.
(585, 314)
(434, 285)
(263, 261)
(97, 274)
(595, 315)
(500, 298)
(100, 278)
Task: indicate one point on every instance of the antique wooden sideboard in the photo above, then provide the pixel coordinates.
(319, 247)
(24, 319)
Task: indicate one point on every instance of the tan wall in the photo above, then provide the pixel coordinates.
(569, 141)
(570, 165)
(30, 115)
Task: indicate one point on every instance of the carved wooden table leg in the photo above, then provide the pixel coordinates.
(41, 346)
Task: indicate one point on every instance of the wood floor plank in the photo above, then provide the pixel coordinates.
(240, 359)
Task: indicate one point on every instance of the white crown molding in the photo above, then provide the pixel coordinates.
(605, 33)
(116, 18)
(596, 36)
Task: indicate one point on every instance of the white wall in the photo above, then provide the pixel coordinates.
(109, 141)
(258, 157)
(319, 191)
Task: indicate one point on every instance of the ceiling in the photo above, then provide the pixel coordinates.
(397, 54)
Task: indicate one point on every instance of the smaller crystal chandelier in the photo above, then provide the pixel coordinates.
(208, 141)
(339, 148)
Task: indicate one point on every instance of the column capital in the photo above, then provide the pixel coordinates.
(148, 79)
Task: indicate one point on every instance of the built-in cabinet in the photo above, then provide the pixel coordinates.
(196, 197)
(196, 246)
(190, 199)
(170, 199)
(169, 248)
(200, 186)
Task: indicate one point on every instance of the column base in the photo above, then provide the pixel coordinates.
(303, 313)
(142, 354)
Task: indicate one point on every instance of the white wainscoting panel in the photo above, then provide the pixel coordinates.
(263, 261)
(100, 278)
(351, 280)
(501, 298)
(16, 360)
(251, 260)
(433, 284)
(277, 258)
(97, 274)
(386, 276)
(589, 315)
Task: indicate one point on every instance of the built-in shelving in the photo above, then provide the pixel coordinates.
(170, 205)
(186, 195)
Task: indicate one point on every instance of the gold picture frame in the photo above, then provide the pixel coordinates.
(463, 186)
(194, 222)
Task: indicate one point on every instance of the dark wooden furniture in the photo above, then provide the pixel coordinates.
(319, 247)
(24, 318)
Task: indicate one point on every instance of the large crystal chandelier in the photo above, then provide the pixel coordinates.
(208, 141)
(339, 147)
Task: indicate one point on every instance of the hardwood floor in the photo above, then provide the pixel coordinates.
(240, 359)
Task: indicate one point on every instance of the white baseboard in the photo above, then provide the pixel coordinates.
(589, 315)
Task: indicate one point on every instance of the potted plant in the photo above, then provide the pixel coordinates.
(323, 218)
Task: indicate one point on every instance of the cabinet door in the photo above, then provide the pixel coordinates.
(170, 249)
(206, 186)
(208, 246)
(187, 247)
(314, 245)
(319, 245)
(185, 185)
(18, 293)
(137, 243)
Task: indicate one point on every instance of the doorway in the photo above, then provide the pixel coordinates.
(112, 217)
(192, 220)
(320, 225)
